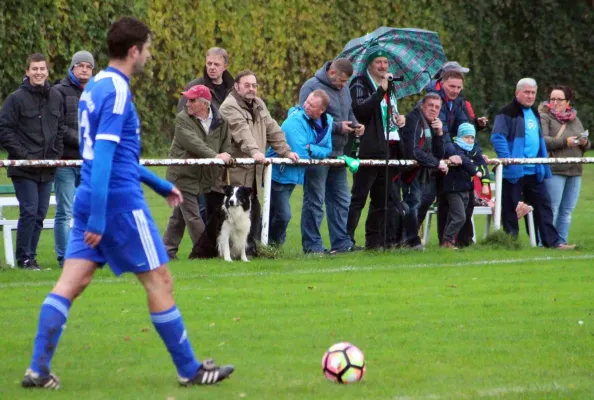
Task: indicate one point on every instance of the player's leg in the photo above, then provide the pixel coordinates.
(169, 324)
(76, 276)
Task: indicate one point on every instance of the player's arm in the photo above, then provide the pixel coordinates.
(159, 185)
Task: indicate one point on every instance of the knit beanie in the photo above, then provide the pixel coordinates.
(466, 129)
(82, 56)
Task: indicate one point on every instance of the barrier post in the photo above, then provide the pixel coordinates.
(266, 205)
(498, 196)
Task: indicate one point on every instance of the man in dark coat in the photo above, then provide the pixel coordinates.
(67, 178)
(32, 128)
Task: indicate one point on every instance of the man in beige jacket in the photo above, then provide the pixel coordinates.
(252, 130)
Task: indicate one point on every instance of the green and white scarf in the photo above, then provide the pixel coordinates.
(384, 107)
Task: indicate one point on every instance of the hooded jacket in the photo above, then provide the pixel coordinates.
(32, 128)
(300, 131)
(70, 93)
(340, 107)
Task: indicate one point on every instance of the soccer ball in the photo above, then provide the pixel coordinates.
(343, 363)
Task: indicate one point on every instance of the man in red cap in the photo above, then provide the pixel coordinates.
(200, 132)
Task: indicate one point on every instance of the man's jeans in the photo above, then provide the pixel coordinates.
(412, 194)
(280, 212)
(329, 185)
(564, 192)
(67, 179)
(33, 200)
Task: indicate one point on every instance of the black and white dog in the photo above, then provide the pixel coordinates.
(227, 231)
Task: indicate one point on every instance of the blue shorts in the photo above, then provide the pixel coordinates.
(131, 242)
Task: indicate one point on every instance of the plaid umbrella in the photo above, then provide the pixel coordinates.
(413, 54)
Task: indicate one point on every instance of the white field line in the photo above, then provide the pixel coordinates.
(346, 268)
(493, 392)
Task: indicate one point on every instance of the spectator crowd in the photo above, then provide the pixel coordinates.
(339, 114)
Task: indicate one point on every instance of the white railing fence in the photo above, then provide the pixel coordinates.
(497, 162)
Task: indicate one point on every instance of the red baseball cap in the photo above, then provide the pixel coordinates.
(198, 91)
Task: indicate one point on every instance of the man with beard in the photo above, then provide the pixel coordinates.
(67, 178)
(112, 222)
(252, 130)
(32, 128)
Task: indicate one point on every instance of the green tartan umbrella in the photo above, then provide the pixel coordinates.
(413, 54)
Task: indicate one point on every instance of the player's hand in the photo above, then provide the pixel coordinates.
(359, 130)
(175, 198)
(482, 122)
(259, 157)
(226, 157)
(346, 127)
(485, 190)
(400, 121)
(293, 156)
(455, 160)
(92, 239)
(437, 125)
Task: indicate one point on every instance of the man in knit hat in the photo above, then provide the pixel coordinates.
(67, 178)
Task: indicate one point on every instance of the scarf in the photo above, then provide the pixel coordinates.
(565, 116)
(74, 79)
(393, 134)
(463, 145)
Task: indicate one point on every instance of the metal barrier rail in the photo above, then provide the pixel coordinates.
(497, 162)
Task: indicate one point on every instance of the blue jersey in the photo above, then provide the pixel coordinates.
(106, 112)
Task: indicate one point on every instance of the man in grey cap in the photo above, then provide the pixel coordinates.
(67, 178)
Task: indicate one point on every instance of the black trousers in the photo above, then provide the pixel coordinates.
(535, 194)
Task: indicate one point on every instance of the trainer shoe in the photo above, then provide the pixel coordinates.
(34, 380)
(208, 374)
(29, 264)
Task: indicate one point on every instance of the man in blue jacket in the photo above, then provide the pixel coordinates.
(517, 134)
(308, 130)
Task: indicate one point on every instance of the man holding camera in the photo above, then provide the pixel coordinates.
(329, 184)
(374, 107)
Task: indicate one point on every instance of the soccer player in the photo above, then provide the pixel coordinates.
(112, 222)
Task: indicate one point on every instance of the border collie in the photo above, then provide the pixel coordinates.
(227, 231)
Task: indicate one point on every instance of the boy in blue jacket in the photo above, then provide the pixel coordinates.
(458, 184)
(309, 133)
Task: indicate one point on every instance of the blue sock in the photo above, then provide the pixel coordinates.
(52, 317)
(170, 326)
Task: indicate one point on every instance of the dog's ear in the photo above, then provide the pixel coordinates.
(248, 190)
(228, 190)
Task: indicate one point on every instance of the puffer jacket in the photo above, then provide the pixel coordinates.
(32, 128)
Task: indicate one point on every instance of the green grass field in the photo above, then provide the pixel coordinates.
(479, 323)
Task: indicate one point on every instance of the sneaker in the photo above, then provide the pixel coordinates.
(34, 380)
(208, 374)
(448, 245)
(29, 264)
(565, 246)
(351, 249)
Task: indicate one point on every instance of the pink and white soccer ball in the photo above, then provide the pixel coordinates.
(343, 363)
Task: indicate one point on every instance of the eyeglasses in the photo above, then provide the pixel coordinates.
(556, 100)
(250, 85)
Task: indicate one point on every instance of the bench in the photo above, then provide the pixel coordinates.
(488, 213)
(8, 225)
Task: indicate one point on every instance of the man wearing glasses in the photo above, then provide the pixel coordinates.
(252, 130)
(200, 132)
(67, 178)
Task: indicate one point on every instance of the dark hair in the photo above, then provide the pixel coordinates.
(431, 96)
(452, 74)
(343, 66)
(245, 72)
(566, 91)
(125, 33)
(37, 57)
